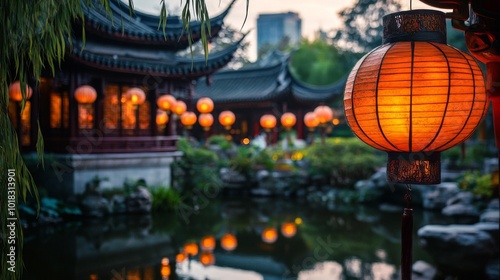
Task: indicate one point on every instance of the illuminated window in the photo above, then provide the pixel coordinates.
(120, 113)
(59, 109)
(85, 116)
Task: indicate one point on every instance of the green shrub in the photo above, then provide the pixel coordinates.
(195, 169)
(343, 161)
(221, 141)
(165, 199)
(477, 183)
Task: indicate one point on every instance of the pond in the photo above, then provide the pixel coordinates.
(255, 238)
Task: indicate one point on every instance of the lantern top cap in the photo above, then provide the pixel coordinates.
(415, 25)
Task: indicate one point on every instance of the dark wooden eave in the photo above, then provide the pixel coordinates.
(147, 61)
(140, 28)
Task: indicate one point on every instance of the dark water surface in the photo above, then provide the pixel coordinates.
(330, 242)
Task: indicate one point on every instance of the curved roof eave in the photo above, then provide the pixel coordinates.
(181, 67)
(311, 93)
(143, 28)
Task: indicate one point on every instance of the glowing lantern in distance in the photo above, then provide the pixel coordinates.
(16, 94)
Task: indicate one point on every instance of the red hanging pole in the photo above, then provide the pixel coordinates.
(407, 238)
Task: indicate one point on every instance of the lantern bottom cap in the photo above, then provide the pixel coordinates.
(414, 168)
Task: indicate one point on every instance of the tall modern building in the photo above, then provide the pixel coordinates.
(273, 28)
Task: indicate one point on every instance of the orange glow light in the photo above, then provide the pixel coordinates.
(179, 107)
(206, 120)
(288, 229)
(324, 114)
(191, 249)
(205, 105)
(268, 121)
(310, 120)
(288, 120)
(207, 243)
(207, 258)
(136, 96)
(188, 119)
(269, 235)
(166, 102)
(226, 119)
(161, 117)
(180, 257)
(228, 242)
(16, 94)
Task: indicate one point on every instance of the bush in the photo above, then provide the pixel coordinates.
(343, 161)
(165, 199)
(478, 184)
(221, 141)
(197, 168)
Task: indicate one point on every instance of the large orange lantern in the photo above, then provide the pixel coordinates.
(205, 105)
(85, 94)
(161, 117)
(179, 107)
(191, 249)
(324, 114)
(166, 102)
(268, 121)
(228, 242)
(227, 119)
(206, 121)
(288, 120)
(15, 92)
(207, 258)
(136, 96)
(414, 99)
(288, 230)
(188, 119)
(207, 243)
(311, 121)
(269, 235)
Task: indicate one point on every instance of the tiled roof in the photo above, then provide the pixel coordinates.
(142, 28)
(266, 81)
(150, 61)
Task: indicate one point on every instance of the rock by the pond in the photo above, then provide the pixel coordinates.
(232, 177)
(461, 198)
(437, 198)
(118, 205)
(139, 201)
(457, 249)
(461, 210)
(493, 230)
(94, 205)
(490, 216)
(494, 204)
(423, 271)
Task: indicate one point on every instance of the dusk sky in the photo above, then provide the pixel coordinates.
(315, 14)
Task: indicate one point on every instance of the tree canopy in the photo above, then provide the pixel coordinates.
(319, 63)
(362, 30)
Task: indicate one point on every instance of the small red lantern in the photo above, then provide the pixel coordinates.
(188, 119)
(226, 119)
(324, 114)
(311, 121)
(268, 121)
(205, 105)
(228, 242)
(16, 94)
(166, 102)
(136, 96)
(288, 120)
(179, 107)
(206, 121)
(85, 94)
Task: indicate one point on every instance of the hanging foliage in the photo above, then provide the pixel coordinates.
(34, 37)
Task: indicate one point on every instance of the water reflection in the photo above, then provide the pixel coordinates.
(229, 239)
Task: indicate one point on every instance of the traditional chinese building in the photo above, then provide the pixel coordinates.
(106, 130)
(266, 87)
